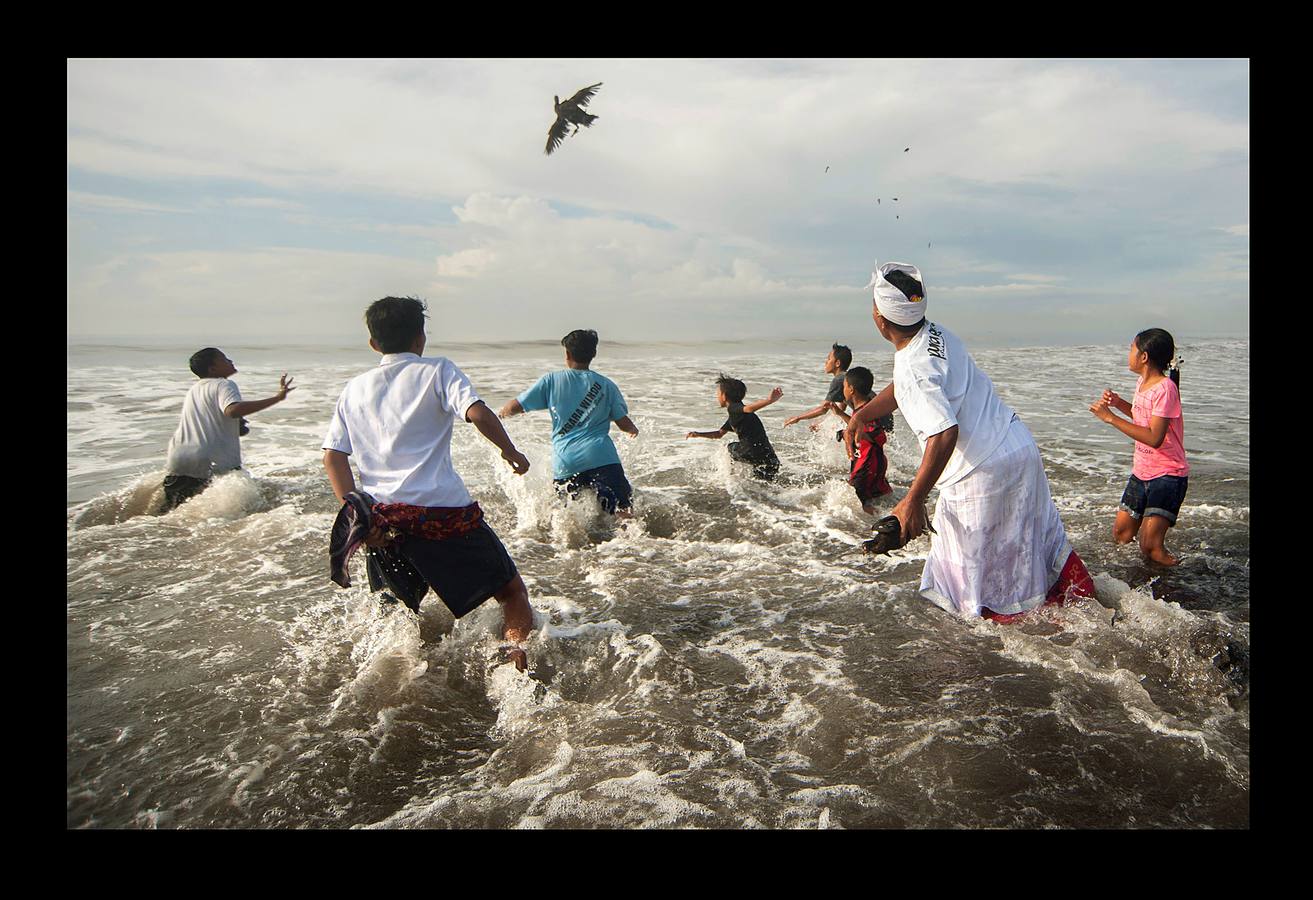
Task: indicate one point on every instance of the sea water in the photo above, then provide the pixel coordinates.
(724, 660)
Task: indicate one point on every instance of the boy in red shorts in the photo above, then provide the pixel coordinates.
(869, 463)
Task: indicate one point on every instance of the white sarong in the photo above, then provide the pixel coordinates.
(999, 541)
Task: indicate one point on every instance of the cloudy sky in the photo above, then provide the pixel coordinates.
(270, 200)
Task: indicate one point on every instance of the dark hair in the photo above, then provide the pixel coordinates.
(733, 389)
(1161, 349)
(202, 360)
(905, 329)
(581, 344)
(861, 380)
(905, 283)
(842, 355)
(395, 322)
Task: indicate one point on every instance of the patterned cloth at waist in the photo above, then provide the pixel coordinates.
(432, 523)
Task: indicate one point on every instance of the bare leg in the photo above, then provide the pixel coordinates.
(1124, 529)
(517, 618)
(1152, 535)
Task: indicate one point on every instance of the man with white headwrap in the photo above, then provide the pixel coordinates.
(999, 548)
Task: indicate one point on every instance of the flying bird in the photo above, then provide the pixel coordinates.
(571, 112)
(827, 168)
(905, 149)
(895, 199)
(877, 199)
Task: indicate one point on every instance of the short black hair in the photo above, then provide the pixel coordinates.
(395, 322)
(905, 329)
(581, 344)
(843, 355)
(202, 360)
(733, 389)
(861, 380)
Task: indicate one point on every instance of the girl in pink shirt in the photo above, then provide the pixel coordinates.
(1159, 479)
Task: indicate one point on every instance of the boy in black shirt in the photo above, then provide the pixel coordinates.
(753, 446)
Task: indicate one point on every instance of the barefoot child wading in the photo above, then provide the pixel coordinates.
(1159, 479)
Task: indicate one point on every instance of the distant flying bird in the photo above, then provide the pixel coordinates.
(905, 149)
(897, 217)
(571, 112)
(895, 199)
(877, 199)
(827, 168)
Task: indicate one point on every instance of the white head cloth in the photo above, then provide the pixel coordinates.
(892, 303)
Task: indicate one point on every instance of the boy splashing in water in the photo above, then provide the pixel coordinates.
(753, 447)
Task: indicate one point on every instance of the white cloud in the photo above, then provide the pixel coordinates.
(84, 200)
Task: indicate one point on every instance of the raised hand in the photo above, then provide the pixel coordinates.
(284, 386)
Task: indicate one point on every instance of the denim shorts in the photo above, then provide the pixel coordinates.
(1161, 496)
(609, 482)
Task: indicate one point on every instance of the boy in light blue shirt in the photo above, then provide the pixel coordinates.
(583, 406)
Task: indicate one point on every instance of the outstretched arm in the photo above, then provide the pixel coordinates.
(775, 394)
(809, 414)
(512, 408)
(491, 428)
(247, 407)
(338, 467)
(625, 424)
(714, 435)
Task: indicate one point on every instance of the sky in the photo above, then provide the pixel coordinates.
(270, 201)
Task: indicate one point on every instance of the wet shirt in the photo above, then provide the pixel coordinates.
(206, 440)
(395, 421)
(938, 385)
(583, 405)
(1162, 400)
(752, 434)
(835, 393)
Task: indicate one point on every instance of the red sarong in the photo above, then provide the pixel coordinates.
(432, 523)
(1074, 583)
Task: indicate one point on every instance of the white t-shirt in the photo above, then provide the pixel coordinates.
(206, 441)
(396, 420)
(938, 385)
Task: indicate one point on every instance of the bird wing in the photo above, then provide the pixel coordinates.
(581, 99)
(556, 134)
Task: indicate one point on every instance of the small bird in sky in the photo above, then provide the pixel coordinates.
(927, 245)
(897, 217)
(571, 112)
(877, 199)
(905, 149)
(895, 199)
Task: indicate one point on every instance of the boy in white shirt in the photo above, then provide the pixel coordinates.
(206, 442)
(396, 421)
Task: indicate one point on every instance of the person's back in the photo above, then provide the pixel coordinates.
(206, 440)
(583, 404)
(398, 419)
(937, 357)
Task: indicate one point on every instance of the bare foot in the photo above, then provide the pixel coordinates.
(1162, 557)
(516, 655)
